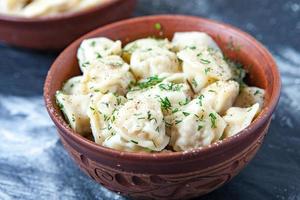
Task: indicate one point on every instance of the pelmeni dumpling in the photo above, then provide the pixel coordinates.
(101, 113)
(75, 109)
(195, 126)
(38, 8)
(95, 48)
(85, 4)
(72, 86)
(220, 95)
(237, 70)
(204, 66)
(12, 6)
(153, 61)
(107, 75)
(238, 119)
(144, 44)
(117, 142)
(249, 96)
(172, 92)
(141, 121)
(181, 40)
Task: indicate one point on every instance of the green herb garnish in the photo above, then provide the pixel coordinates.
(157, 26)
(213, 119)
(165, 103)
(186, 113)
(203, 61)
(149, 82)
(135, 142)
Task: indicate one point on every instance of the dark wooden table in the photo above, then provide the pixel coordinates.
(34, 165)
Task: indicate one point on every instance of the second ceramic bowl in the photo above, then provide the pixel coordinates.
(177, 175)
(56, 32)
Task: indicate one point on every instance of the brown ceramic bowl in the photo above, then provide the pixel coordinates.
(56, 32)
(177, 175)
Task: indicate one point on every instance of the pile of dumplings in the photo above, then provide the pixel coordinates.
(155, 95)
(38, 8)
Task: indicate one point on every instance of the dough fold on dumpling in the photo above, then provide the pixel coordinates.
(153, 61)
(170, 91)
(101, 112)
(195, 126)
(119, 143)
(181, 40)
(72, 86)
(238, 119)
(220, 95)
(107, 75)
(12, 6)
(95, 48)
(145, 44)
(249, 96)
(203, 66)
(75, 109)
(141, 122)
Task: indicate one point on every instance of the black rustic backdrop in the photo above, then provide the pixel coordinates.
(34, 165)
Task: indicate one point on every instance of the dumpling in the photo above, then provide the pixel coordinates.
(249, 96)
(204, 66)
(75, 109)
(220, 95)
(72, 86)
(43, 7)
(195, 126)
(153, 61)
(181, 40)
(145, 44)
(107, 75)
(95, 48)
(117, 142)
(238, 119)
(171, 92)
(85, 4)
(237, 70)
(101, 113)
(141, 121)
(12, 6)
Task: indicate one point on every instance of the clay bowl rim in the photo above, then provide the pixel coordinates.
(262, 118)
(57, 17)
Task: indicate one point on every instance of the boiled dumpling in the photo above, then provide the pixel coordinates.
(220, 95)
(183, 40)
(171, 92)
(145, 44)
(117, 142)
(101, 113)
(154, 61)
(85, 4)
(107, 75)
(239, 118)
(204, 66)
(41, 7)
(249, 96)
(75, 109)
(95, 48)
(72, 86)
(195, 126)
(12, 6)
(141, 121)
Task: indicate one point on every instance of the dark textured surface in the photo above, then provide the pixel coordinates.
(33, 164)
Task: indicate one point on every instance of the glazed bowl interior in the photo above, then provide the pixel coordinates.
(235, 44)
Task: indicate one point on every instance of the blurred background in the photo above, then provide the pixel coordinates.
(34, 165)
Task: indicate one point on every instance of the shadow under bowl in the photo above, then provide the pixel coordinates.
(176, 175)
